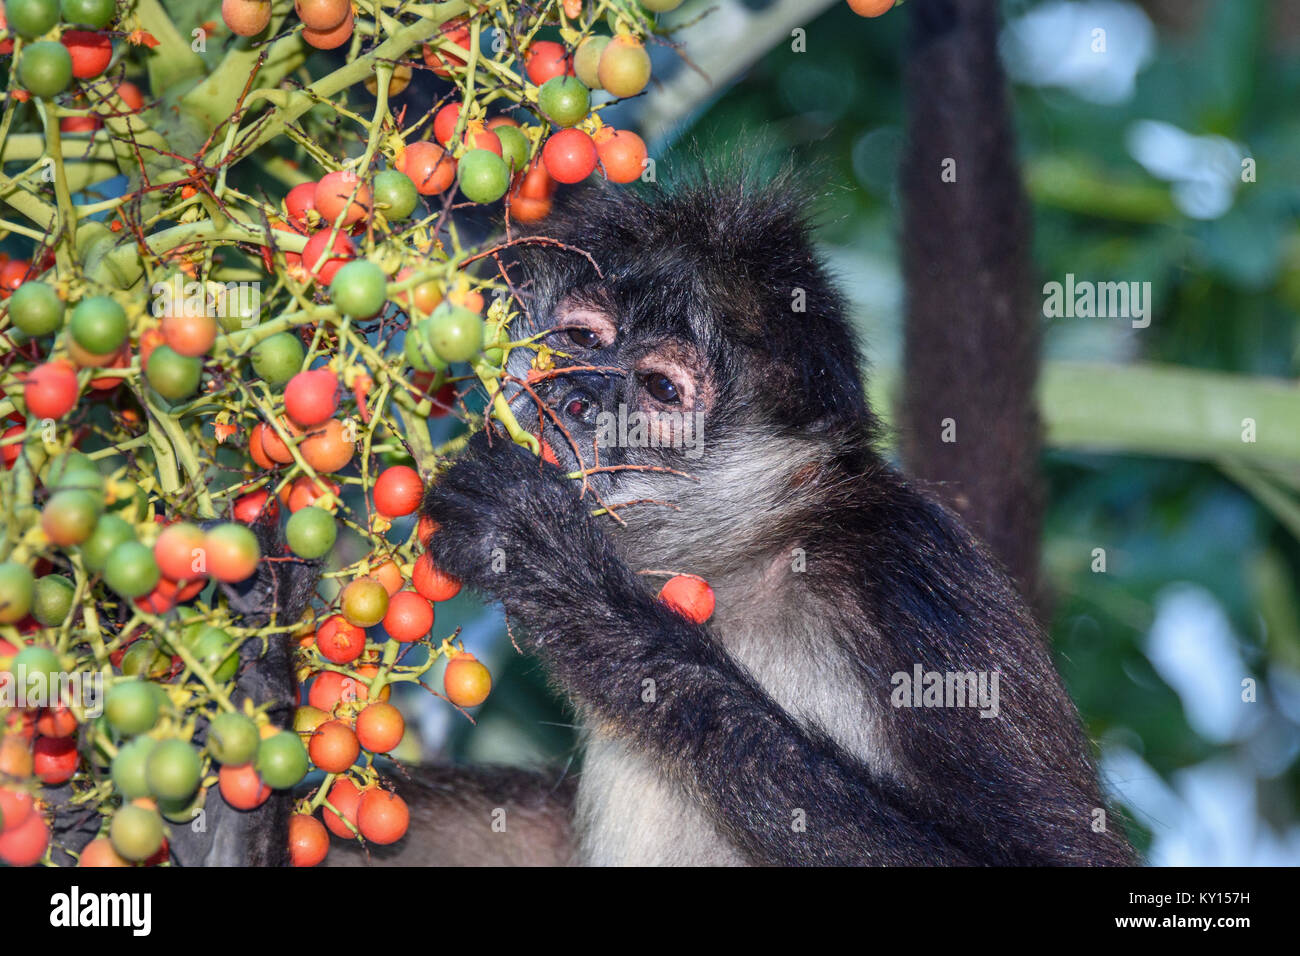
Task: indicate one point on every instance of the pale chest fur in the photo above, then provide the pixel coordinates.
(629, 813)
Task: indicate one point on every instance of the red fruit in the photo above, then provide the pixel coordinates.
(398, 491)
(871, 8)
(333, 747)
(51, 390)
(241, 787)
(300, 201)
(249, 507)
(131, 95)
(457, 31)
(177, 549)
(308, 840)
(570, 156)
(334, 253)
(382, 817)
(168, 593)
(304, 492)
(25, 844)
(9, 453)
(547, 59)
(432, 583)
(409, 617)
(12, 275)
(444, 402)
(477, 136)
(54, 759)
(689, 596)
(232, 552)
(430, 167)
(334, 194)
(466, 681)
(246, 17)
(90, 52)
(444, 123)
(312, 397)
(15, 805)
(339, 641)
(380, 727)
(344, 797)
(622, 154)
(100, 852)
(330, 39)
(56, 722)
(322, 14)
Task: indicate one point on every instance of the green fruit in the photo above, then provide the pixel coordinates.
(73, 470)
(455, 332)
(565, 100)
(144, 659)
(514, 147)
(216, 651)
(53, 600)
(38, 660)
(233, 739)
(128, 770)
(131, 707)
(419, 351)
(31, 18)
(359, 289)
(278, 358)
(90, 13)
(282, 760)
(586, 60)
(131, 570)
(661, 6)
(36, 309)
(395, 194)
(311, 532)
(45, 69)
(484, 176)
(172, 375)
(173, 770)
(99, 325)
(624, 68)
(184, 810)
(17, 591)
(136, 832)
(110, 531)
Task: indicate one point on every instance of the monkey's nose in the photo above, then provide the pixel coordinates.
(581, 405)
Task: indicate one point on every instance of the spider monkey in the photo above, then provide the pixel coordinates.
(775, 733)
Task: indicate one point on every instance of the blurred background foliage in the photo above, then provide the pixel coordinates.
(1132, 159)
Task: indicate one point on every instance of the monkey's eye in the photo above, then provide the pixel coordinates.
(660, 387)
(584, 338)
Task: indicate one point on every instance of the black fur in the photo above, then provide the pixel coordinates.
(893, 580)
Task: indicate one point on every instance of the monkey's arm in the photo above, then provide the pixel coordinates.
(477, 816)
(602, 634)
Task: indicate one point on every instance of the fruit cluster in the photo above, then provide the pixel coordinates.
(229, 353)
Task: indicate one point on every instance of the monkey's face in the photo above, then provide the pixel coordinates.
(695, 357)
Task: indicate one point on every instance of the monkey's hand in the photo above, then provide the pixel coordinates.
(512, 527)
